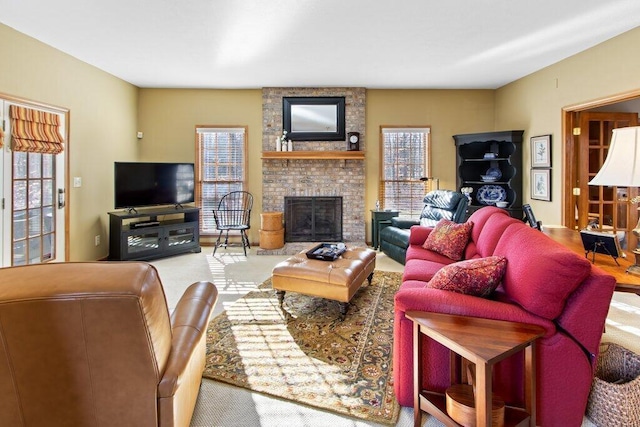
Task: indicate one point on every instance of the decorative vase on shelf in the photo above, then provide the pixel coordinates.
(281, 142)
(290, 145)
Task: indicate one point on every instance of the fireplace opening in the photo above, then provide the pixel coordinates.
(313, 219)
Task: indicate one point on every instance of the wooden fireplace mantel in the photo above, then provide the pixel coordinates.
(314, 155)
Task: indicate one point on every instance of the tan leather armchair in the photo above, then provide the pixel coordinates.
(93, 344)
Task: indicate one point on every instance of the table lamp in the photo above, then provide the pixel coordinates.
(621, 168)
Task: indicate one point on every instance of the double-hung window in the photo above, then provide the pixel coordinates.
(221, 167)
(405, 159)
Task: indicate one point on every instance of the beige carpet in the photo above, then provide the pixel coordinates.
(307, 354)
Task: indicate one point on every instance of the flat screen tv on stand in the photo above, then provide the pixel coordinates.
(140, 184)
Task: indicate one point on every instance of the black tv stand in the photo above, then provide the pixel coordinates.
(147, 234)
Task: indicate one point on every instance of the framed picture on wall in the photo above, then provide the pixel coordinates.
(541, 184)
(541, 151)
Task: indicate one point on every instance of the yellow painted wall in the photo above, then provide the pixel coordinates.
(168, 118)
(535, 103)
(448, 112)
(103, 119)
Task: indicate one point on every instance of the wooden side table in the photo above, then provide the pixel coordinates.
(483, 342)
(376, 218)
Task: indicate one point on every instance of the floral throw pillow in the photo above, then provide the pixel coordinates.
(478, 277)
(449, 238)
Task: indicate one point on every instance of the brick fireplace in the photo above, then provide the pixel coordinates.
(316, 177)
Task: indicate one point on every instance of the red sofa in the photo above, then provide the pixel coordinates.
(544, 284)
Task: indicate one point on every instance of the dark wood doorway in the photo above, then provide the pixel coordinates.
(587, 138)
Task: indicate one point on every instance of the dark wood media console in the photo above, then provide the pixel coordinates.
(153, 233)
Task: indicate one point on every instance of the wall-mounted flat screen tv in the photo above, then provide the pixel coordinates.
(151, 184)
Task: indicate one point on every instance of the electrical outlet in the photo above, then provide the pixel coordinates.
(97, 240)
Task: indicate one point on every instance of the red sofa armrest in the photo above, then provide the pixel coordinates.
(413, 296)
(447, 302)
(419, 234)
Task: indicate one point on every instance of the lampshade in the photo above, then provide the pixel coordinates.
(622, 165)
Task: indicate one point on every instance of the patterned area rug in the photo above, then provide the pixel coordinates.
(306, 354)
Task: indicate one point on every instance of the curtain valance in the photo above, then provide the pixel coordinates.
(35, 130)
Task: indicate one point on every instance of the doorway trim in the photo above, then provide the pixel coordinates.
(570, 144)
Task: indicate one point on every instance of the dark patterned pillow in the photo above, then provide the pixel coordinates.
(449, 238)
(478, 277)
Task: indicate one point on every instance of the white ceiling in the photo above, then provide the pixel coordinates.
(306, 43)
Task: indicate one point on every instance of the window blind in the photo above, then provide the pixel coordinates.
(405, 159)
(222, 168)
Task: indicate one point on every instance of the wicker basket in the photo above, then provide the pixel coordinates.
(271, 221)
(615, 392)
(271, 239)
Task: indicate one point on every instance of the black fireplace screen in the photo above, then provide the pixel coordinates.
(313, 219)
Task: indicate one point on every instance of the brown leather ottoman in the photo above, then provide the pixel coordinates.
(337, 280)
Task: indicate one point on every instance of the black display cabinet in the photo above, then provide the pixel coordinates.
(491, 164)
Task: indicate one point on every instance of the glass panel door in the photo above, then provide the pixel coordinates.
(33, 225)
(34, 221)
(141, 242)
(181, 236)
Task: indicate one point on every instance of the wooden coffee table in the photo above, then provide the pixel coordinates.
(483, 342)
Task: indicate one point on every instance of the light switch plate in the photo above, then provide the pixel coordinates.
(77, 181)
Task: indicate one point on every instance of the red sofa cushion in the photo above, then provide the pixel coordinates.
(489, 224)
(541, 273)
(423, 269)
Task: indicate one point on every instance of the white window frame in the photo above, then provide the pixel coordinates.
(220, 170)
